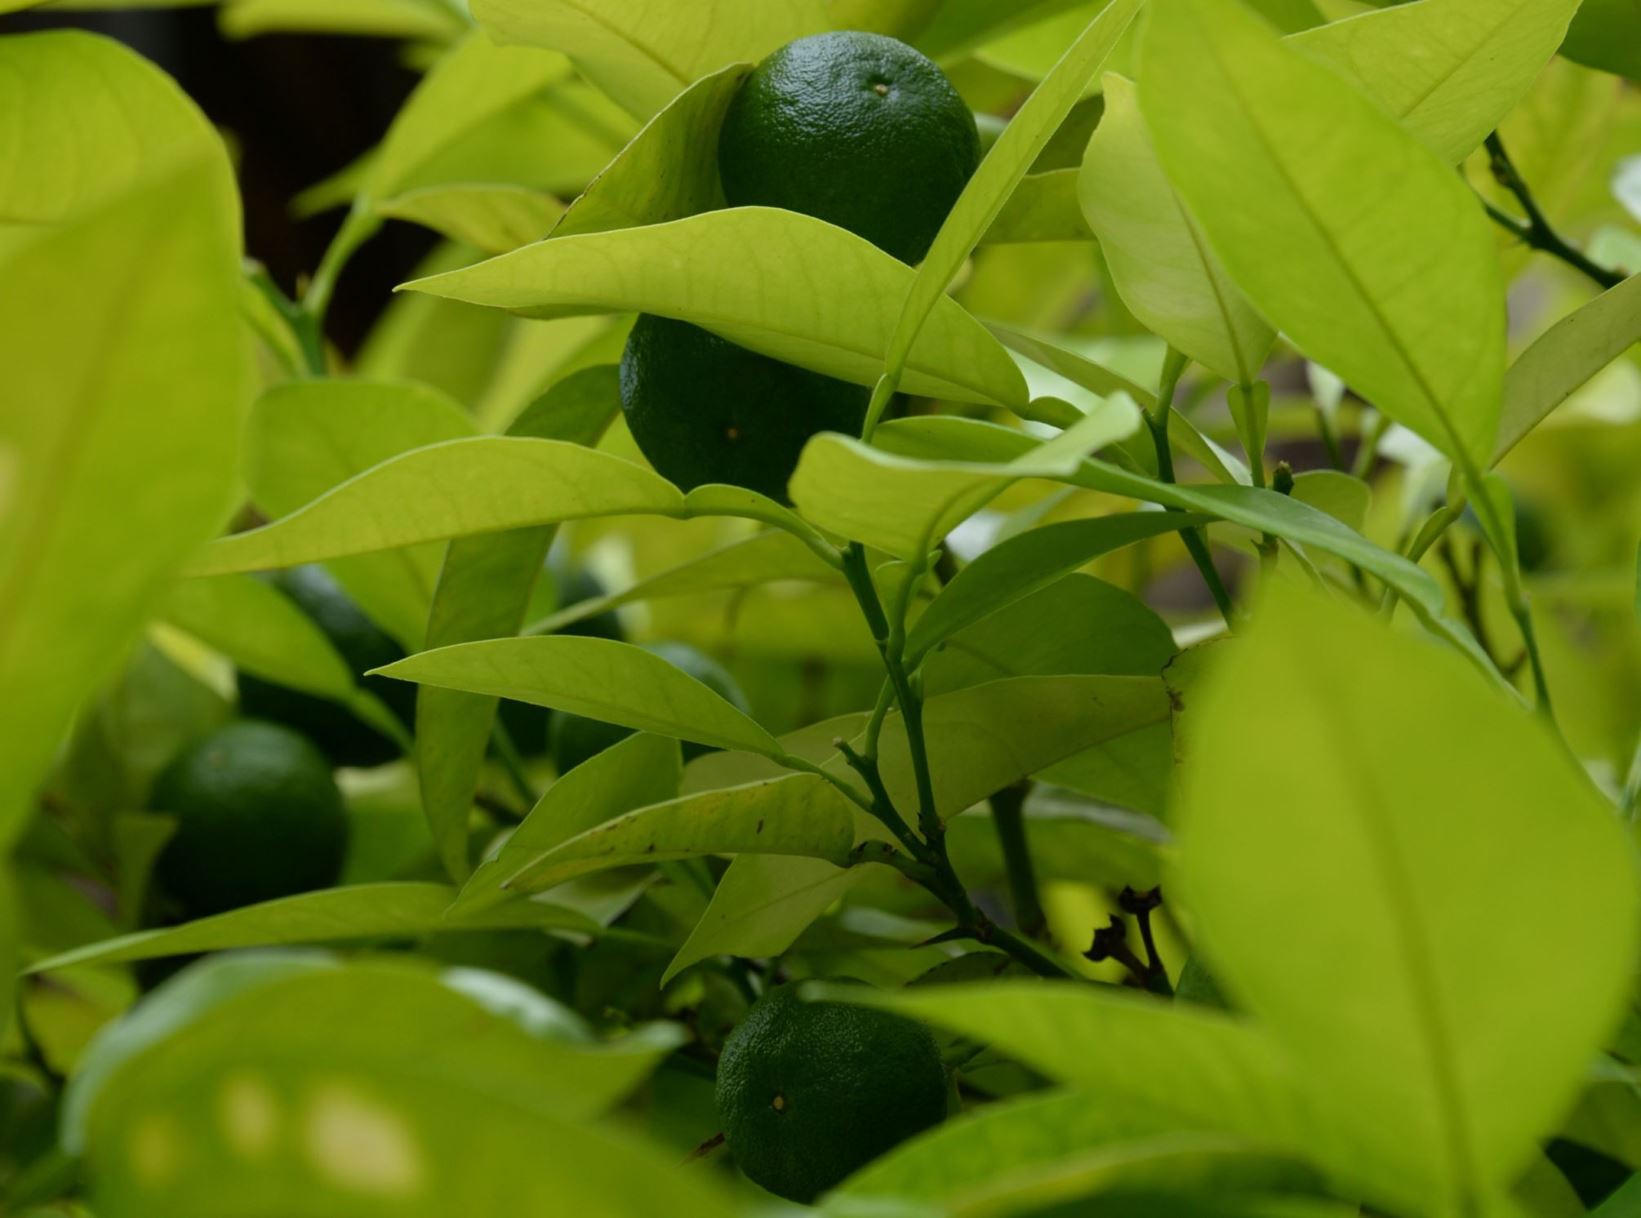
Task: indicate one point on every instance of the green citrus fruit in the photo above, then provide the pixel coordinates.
(704, 410)
(258, 816)
(810, 1092)
(345, 739)
(857, 129)
(573, 739)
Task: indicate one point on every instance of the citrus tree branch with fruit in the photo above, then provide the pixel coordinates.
(926, 607)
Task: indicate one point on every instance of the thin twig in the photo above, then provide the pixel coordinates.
(1537, 231)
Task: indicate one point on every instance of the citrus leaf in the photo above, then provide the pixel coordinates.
(483, 592)
(1079, 369)
(1448, 69)
(698, 270)
(765, 557)
(905, 506)
(761, 905)
(644, 52)
(669, 170)
(333, 915)
(306, 437)
(1407, 926)
(83, 121)
(988, 191)
(378, 1084)
(264, 633)
(467, 87)
(1157, 256)
(1043, 207)
(455, 489)
(1405, 299)
(801, 814)
(1606, 34)
(1565, 357)
(1014, 569)
(372, 18)
(128, 281)
(634, 773)
(598, 678)
(491, 218)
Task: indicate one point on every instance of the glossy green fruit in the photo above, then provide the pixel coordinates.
(345, 739)
(573, 739)
(810, 1092)
(857, 129)
(704, 410)
(258, 816)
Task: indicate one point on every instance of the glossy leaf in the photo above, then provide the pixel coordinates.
(1009, 160)
(668, 171)
(484, 591)
(306, 437)
(760, 906)
(84, 121)
(904, 506)
(265, 633)
(124, 280)
(491, 218)
(1043, 207)
(637, 772)
(1404, 298)
(697, 269)
(1157, 254)
(1566, 356)
(798, 815)
(381, 1085)
(467, 87)
(1027, 562)
(1415, 1015)
(333, 915)
(1448, 69)
(765, 557)
(454, 489)
(644, 52)
(599, 678)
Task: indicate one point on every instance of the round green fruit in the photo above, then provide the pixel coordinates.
(258, 814)
(704, 410)
(810, 1092)
(573, 739)
(345, 739)
(857, 129)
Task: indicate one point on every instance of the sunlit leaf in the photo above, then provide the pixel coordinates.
(1571, 352)
(375, 1084)
(491, 218)
(637, 772)
(668, 171)
(335, 915)
(81, 491)
(987, 193)
(645, 52)
(602, 679)
(1448, 69)
(375, 18)
(905, 506)
(448, 490)
(1156, 253)
(265, 633)
(1422, 873)
(484, 591)
(802, 814)
(1399, 293)
(697, 269)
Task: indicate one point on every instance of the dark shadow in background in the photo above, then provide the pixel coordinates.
(295, 109)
